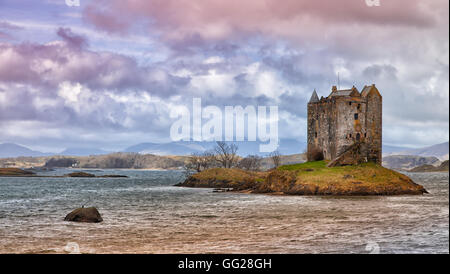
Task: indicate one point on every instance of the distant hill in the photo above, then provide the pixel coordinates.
(174, 148)
(390, 150)
(430, 168)
(10, 150)
(286, 147)
(83, 151)
(407, 162)
(440, 151)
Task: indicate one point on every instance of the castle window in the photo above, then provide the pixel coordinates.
(358, 137)
(349, 103)
(315, 134)
(350, 135)
(356, 116)
(359, 106)
(365, 135)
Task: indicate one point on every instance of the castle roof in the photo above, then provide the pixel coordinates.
(367, 89)
(314, 97)
(344, 92)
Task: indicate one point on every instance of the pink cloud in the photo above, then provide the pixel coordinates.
(5, 36)
(46, 66)
(104, 19)
(219, 19)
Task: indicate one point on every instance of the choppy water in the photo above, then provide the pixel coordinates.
(146, 214)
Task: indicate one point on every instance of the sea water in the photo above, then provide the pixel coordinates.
(145, 213)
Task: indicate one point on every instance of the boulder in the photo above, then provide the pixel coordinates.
(86, 215)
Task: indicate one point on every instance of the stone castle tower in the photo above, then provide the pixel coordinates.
(346, 121)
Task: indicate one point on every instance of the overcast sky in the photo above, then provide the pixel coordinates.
(107, 73)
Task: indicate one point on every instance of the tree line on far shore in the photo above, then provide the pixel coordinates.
(223, 155)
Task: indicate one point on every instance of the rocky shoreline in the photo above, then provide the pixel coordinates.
(17, 172)
(310, 179)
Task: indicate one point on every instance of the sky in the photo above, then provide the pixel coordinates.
(107, 73)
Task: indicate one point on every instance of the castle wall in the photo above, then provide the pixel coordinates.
(349, 130)
(321, 127)
(374, 127)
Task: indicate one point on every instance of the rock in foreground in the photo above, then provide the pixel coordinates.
(311, 178)
(85, 215)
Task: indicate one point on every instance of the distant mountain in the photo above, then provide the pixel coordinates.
(431, 168)
(390, 150)
(439, 151)
(83, 151)
(407, 162)
(9, 150)
(287, 147)
(174, 148)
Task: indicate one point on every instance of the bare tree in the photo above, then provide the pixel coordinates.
(226, 154)
(251, 162)
(200, 161)
(276, 158)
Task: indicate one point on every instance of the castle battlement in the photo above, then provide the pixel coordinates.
(344, 118)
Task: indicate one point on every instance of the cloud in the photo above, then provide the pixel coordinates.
(104, 19)
(6, 28)
(71, 39)
(48, 65)
(261, 53)
(216, 19)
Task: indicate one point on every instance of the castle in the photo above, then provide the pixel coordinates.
(346, 125)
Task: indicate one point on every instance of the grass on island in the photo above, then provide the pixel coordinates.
(366, 178)
(231, 175)
(311, 178)
(319, 173)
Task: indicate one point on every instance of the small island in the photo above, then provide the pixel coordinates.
(90, 175)
(15, 172)
(310, 178)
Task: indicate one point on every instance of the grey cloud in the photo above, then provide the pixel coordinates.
(71, 39)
